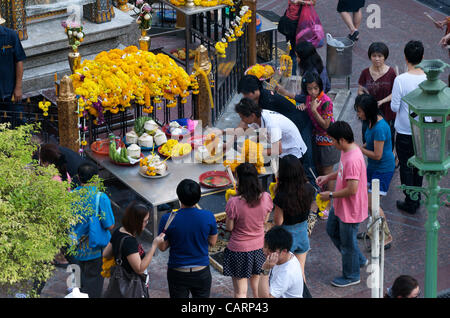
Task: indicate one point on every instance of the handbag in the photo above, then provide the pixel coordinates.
(98, 236)
(287, 27)
(309, 27)
(124, 284)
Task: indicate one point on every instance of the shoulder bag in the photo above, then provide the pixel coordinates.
(123, 284)
(98, 236)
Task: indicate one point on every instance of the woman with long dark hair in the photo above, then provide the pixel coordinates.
(246, 214)
(378, 149)
(293, 198)
(134, 258)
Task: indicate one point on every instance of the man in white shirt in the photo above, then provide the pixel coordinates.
(281, 272)
(403, 85)
(282, 134)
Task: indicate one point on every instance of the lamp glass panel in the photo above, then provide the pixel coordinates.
(417, 141)
(432, 142)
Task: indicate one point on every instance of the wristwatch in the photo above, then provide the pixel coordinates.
(331, 195)
(265, 272)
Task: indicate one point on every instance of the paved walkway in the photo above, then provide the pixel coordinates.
(402, 20)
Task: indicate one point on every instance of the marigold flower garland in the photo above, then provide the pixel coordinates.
(234, 32)
(115, 79)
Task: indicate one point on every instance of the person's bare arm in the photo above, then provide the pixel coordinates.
(377, 153)
(18, 85)
(212, 240)
(278, 216)
(349, 190)
(108, 252)
(282, 91)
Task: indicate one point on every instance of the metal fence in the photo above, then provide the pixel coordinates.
(28, 112)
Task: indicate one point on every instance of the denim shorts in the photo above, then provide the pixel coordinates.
(300, 239)
(384, 177)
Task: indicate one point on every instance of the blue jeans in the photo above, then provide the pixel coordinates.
(343, 236)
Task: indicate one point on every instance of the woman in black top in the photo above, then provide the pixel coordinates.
(134, 257)
(293, 198)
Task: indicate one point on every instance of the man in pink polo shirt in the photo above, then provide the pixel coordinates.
(350, 203)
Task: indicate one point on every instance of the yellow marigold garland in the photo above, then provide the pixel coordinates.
(322, 205)
(234, 32)
(114, 79)
(286, 65)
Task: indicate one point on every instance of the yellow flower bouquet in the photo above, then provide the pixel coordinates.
(117, 78)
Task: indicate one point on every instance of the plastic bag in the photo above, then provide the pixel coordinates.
(309, 27)
(334, 42)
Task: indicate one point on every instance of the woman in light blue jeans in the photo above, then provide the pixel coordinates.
(293, 198)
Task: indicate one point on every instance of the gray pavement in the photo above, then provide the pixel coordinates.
(402, 20)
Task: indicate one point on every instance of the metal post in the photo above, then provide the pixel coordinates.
(432, 227)
(375, 242)
(251, 29)
(383, 222)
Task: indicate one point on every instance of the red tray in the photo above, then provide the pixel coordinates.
(215, 179)
(126, 164)
(101, 147)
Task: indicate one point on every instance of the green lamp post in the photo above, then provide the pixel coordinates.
(429, 107)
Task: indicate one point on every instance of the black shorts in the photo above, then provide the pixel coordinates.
(350, 5)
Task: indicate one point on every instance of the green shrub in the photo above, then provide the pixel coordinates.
(36, 212)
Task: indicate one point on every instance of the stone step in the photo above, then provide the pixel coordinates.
(229, 118)
(47, 47)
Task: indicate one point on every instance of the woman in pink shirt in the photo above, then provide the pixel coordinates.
(246, 214)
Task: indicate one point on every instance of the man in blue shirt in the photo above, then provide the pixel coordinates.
(11, 64)
(188, 236)
(90, 259)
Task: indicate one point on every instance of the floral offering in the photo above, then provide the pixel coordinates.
(116, 79)
(74, 32)
(145, 14)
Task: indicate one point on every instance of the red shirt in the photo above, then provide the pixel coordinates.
(380, 89)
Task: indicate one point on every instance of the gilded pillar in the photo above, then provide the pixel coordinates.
(67, 116)
(202, 65)
(13, 11)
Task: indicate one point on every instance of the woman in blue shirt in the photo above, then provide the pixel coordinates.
(378, 149)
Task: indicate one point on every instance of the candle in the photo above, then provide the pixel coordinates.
(56, 84)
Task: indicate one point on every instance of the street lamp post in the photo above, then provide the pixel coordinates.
(429, 117)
